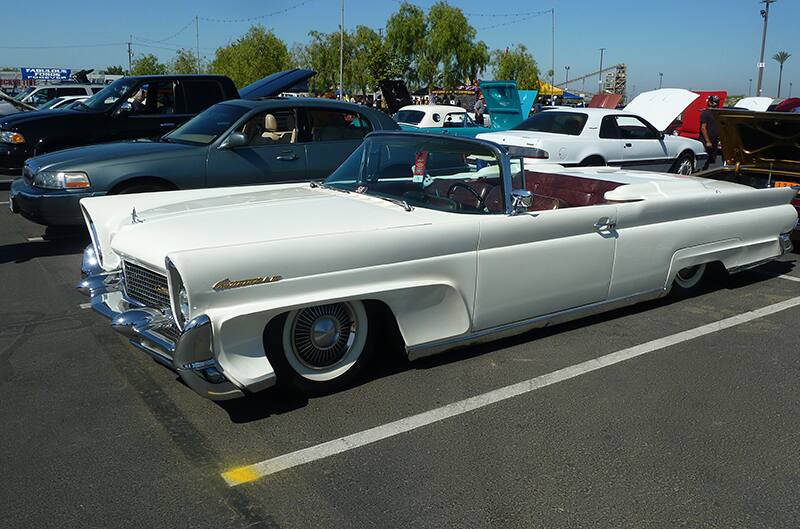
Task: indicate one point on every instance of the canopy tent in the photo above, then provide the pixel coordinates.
(568, 95)
(546, 89)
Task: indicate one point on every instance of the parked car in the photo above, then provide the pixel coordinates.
(600, 136)
(452, 240)
(760, 150)
(129, 108)
(434, 116)
(687, 124)
(232, 143)
(61, 102)
(38, 95)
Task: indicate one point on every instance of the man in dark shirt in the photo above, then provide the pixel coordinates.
(709, 131)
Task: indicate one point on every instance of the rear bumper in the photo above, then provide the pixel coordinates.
(47, 207)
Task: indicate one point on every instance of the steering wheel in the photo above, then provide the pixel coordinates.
(481, 203)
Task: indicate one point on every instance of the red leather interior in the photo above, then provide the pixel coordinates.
(571, 190)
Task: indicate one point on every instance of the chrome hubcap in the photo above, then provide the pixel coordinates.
(685, 167)
(323, 335)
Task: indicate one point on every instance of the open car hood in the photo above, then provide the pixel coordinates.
(502, 103)
(759, 104)
(17, 104)
(661, 107)
(273, 85)
(769, 140)
(395, 93)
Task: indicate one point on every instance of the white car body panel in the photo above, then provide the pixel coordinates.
(758, 104)
(650, 154)
(661, 107)
(448, 278)
(431, 112)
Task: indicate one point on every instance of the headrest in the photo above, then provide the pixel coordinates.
(270, 123)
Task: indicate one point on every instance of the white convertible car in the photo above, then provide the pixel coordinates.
(599, 136)
(449, 241)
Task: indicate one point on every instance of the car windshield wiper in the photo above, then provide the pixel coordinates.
(79, 104)
(323, 185)
(402, 203)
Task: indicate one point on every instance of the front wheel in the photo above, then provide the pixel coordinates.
(684, 165)
(689, 277)
(320, 348)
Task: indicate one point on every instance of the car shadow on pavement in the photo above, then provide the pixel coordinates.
(277, 400)
(65, 243)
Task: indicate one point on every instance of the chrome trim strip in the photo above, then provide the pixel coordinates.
(509, 329)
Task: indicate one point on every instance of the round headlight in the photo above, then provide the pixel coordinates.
(183, 303)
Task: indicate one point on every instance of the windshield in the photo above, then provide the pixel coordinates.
(411, 117)
(444, 174)
(207, 126)
(49, 104)
(21, 95)
(570, 123)
(105, 98)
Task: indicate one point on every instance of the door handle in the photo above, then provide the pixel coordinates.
(628, 145)
(605, 224)
(167, 125)
(286, 157)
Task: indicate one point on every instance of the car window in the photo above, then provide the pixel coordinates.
(570, 123)
(609, 128)
(42, 96)
(334, 125)
(110, 95)
(458, 119)
(632, 128)
(156, 97)
(433, 173)
(96, 89)
(208, 125)
(71, 91)
(200, 94)
(411, 117)
(273, 127)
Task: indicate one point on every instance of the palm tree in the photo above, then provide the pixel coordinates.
(781, 57)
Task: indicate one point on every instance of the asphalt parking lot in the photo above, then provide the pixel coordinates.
(676, 413)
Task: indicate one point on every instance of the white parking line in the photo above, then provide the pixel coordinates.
(85, 305)
(35, 239)
(248, 473)
(4, 203)
(789, 278)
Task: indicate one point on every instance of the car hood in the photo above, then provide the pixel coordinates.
(116, 153)
(395, 93)
(502, 103)
(661, 107)
(254, 215)
(272, 85)
(12, 120)
(769, 140)
(759, 104)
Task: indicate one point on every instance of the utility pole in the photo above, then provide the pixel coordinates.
(566, 80)
(197, 36)
(660, 79)
(761, 65)
(600, 80)
(790, 89)
(750, 88)
(130, 55)
(341, 55)
(553, 50)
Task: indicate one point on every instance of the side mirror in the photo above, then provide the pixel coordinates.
(236, 139)
(124, 109)
(661, 135)
(521, 200)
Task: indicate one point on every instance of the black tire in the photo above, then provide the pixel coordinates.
(689, 278)
(684, 163)
(593, 161)
(308, 371)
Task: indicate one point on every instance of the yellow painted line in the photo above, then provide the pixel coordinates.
(240, 475)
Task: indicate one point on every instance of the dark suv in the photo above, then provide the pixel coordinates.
(129, 108)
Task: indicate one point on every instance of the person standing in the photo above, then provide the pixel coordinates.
(480, 110)
(709, 131)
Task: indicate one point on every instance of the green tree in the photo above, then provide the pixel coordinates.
(255, 55)
(113, 70)
(383, 63)
(518, 65)
(363, 42)
(185, 61)
(781, 57)
(407, 38)
(323, 57)
(148, 65)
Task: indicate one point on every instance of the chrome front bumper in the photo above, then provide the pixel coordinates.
(191, 356)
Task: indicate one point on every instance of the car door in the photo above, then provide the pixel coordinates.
(542, 262)
(330, 135)
(642, 146)
(152, 109)
(609, 141)
(273, 153)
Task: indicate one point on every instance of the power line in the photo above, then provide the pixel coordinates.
(64, 46)
(501, 24)
(184, 28)
(257, 17)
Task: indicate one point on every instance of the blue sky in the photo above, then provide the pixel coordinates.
(697, 44)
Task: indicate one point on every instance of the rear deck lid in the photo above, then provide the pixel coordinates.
(395, 93)
(661, 107)
(273, 85)
(767, 140)
(502, 103)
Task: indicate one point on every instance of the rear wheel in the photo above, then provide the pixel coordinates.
(688, 278)
(684, 165)
(320, 348)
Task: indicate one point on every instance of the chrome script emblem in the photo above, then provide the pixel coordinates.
(135, 218)
(227, 284)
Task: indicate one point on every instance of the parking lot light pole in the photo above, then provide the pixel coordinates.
(660, 79)
(566, 79)
(600, 80)
(750, 88)
(765, 16)
(790, 89)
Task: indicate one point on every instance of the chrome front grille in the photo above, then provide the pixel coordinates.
(145, 286)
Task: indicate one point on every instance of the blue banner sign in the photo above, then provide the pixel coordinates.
(46, 74)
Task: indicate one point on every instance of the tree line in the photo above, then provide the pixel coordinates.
(434, 49)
